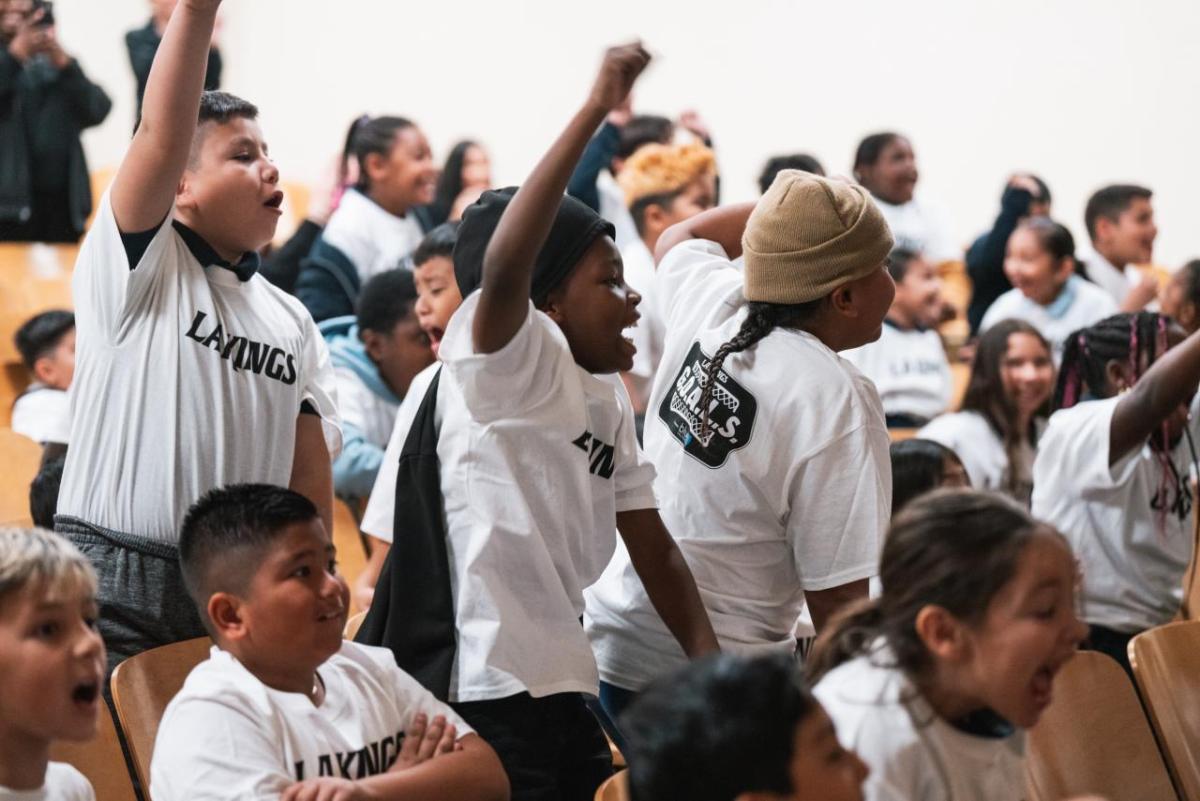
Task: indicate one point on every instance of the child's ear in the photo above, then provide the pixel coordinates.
(375, 164)
(373, 342)
(553, 307)
(225, 612)
(843, 301)
(943, 634)
(183, 193)
(45, 371)
(1187, 315)
(1118, 376)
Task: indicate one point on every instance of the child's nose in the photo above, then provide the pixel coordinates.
(271, 173)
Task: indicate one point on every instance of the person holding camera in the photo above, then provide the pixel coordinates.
(46, 101)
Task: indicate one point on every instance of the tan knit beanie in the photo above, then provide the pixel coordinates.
(809, 235)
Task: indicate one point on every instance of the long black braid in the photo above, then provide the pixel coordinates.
(1138, 339)
(761, 319)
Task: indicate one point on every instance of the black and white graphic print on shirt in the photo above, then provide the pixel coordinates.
(731, 411)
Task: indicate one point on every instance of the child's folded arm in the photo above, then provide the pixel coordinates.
(143, 191)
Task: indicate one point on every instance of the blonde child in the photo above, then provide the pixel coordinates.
(51, 663)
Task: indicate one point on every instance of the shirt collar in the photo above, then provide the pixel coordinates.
(245, 269)
(890, 323)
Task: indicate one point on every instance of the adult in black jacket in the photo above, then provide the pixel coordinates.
(45, 102)
(1024, 196)
(142, 43)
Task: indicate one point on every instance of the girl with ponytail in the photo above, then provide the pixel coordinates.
(933, 681)
(771, 450)
(1113, 470)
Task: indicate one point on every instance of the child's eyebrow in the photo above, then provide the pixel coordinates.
(243, 140)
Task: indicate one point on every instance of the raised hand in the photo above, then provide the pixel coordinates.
(620, 69)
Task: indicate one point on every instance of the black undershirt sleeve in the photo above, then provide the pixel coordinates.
(137, 243)
(306, 407)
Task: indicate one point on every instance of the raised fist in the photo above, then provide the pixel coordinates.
(620, 69)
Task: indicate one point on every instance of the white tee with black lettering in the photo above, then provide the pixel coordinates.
(379, 516)
(913, 753)
(226, 735)
(981, 451)
(186, 379)
(909, 369)
(790, 492)
(63, 783)
(1130, 524)
(537, 458)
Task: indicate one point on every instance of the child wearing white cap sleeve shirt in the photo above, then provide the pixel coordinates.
(192, 371)
(772, 452)
(1115, 468)
(908, 363)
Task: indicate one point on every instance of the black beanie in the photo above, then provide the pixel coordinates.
(575, 228)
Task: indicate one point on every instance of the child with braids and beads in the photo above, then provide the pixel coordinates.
(771, 450)
(1113, 471)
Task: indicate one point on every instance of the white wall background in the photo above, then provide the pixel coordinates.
(1083, 92)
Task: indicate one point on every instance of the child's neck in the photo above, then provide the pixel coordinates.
(902, 319)
(25, 760)
(949, 701)
(1110, 257)
(390, 205)
(287, 679)
(224, 251)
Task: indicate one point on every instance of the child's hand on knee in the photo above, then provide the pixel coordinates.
(325, 789)
(424, 740)
(621, 67)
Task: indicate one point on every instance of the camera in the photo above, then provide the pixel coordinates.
(47, 8)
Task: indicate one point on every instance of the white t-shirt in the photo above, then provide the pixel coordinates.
(650, 332)
(1132, 556)
(922, 228)
(372, 239)
(981, 451)
(793, 492)
(537, 458)
(63, 783)
(226, 735)
(909, 369)
(912, 753)
(1079, 305)
(371, 414)
(43, 414)
(379, 516)
(186, 379)
(1101, 271)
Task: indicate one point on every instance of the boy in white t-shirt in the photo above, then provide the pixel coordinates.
(285, 708)
(46, 343)
(51, 664)
(524, 475)
(908, 363)
(663, 185)
(375, 356)
(193, 371)
(1120, 224)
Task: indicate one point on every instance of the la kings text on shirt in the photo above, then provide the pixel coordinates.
(370, 760)
(260, 358)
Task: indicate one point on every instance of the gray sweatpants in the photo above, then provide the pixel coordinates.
(143, 603)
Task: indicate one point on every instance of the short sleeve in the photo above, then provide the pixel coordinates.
(410, 696)
(837, 539)
(524, 372)
(208, 750)
(320, 385)
(65, 783)
(634, 476)
(687, 268)
(1076, 444)
(379, 516)
(106, 292)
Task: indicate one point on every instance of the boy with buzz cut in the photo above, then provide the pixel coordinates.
(285, 708)
(1120, 223)
(192, 371)
(46, 343)
(51, 663)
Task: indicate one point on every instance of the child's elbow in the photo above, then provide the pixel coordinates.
(491, 779)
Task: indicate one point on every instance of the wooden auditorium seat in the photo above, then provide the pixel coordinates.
(615, 788)
(1166, 664)
(100, 760)
(351, 552)
(21, 457)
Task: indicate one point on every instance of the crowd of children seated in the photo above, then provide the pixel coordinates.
(614, 443)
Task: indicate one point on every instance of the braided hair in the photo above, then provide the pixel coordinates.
(761, 319)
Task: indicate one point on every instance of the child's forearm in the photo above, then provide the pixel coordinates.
(668, 580)
(473, 773)
(508, 261)
(1168, 383)
(144, 189)
(723, 225)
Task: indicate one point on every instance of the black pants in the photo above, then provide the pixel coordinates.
(143, 603)
(552, 748)
(1112, 643)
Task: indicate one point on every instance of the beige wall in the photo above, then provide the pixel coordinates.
(1084, 92)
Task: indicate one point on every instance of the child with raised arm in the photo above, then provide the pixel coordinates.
(538, 465)
(192, 371)
(284, 708)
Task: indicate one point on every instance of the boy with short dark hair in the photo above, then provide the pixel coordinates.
(285, 708)
(375, 356)
(51, 661)
(1120, 223)
(193, 372)
(46, 343)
